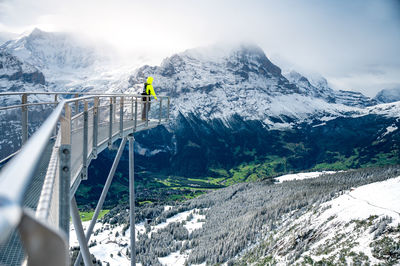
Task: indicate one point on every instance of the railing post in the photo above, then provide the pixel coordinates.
(159, 119)
(115, 108)
(95, 125)
(136, 112)
(55, 105)
(65, 171)
(85, 141)
(24, 118)
(132, 109)
(121, 117)
(132, 199)
(147, 110)
(142, 105)
(168, 110)
(111, 123)
(76, 110)
(76, 104)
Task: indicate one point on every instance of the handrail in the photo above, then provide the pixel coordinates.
(87, 96)
(100, 94)
(12, 189)
(24, 105)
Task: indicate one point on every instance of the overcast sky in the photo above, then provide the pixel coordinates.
(354, 44)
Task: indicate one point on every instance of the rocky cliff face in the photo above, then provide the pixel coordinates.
(388, 95)
(12, 69)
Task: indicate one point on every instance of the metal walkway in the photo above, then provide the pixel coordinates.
(38, 185)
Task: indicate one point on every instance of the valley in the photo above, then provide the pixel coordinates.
(325, 218)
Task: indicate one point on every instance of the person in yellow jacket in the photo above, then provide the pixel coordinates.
(148, 91)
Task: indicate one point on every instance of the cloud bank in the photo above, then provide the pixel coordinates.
(352, 43)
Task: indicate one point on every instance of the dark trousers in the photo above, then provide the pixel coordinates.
(145, 110)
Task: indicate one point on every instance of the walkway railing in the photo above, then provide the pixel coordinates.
(38, 184)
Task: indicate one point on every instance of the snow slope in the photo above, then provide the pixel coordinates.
(346, 229)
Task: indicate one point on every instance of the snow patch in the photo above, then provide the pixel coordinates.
(390, 129)
(300, 176)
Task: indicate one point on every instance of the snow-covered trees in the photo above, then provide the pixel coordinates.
(239, 216)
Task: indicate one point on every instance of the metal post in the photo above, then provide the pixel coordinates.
(111, 122)
(132, 109)
(132, 199)
(76, 104)
(65, 171)
(43, 245)
(159, 120)
(76, 220)
(85, 141)
(142, 107)
(103, 195)
(95, 126)
(55, 105)
(147, 111)
(168, 110)
(24, 118)
(121, 117)
(136, 112)
(76, 110)
(115, 108)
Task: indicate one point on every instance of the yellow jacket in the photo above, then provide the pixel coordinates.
(149, 87)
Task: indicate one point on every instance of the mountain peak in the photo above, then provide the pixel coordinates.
(388, 95)
(37, 31)
(250, 48)
(34, 34)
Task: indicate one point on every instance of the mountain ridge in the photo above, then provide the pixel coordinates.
(243, 81)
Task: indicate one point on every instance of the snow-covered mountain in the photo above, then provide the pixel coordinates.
(349, 98)
(388, 95)
(64, 59)
(217, 82)
(48, 50)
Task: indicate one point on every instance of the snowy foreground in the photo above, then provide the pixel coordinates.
(349, 226)
(354, 227)
(363, 212)
(112, 243)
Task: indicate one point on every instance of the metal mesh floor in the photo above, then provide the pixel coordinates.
(11, 252)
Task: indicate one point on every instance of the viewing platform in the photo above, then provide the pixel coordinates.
(39, 178)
